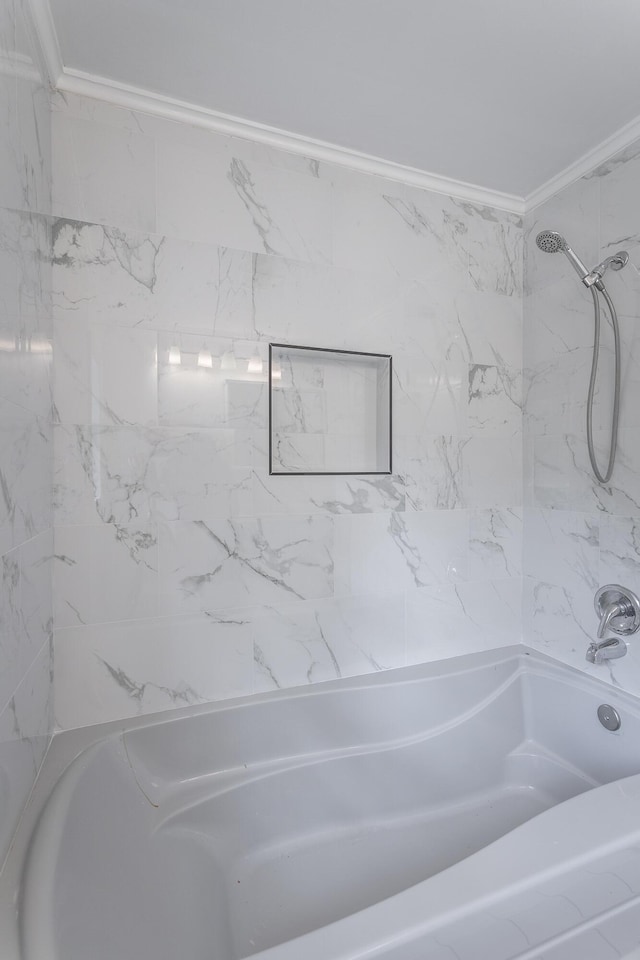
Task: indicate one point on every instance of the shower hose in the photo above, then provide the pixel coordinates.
(603, 478)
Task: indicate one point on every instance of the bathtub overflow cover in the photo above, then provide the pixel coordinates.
(609, 717)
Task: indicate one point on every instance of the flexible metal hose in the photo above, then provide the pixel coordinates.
(603, 478)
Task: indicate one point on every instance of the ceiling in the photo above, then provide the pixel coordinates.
(502, 94)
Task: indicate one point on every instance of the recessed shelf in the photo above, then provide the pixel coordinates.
(329, 411)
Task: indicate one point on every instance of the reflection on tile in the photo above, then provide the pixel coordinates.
(105, 374)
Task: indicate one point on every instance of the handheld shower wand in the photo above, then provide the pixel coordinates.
(551, 242)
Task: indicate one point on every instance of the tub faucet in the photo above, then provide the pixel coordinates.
(610, 649)
(619, 611)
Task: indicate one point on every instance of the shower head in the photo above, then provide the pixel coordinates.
(551, 242)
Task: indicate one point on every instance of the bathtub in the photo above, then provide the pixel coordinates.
(468, 809)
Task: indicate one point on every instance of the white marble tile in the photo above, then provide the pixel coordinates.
(447, 620)
(117, 670)
(103, 174)
(25, 724)
(488, 329)
(384, 226)
(11, 183)
(25, 271)
(620, 205)
(105, 375)
(311, 641)
(325, 495)
(200, 474)
(25, 161)
(495, 543)
(12, 650)
(619, 550)
(432, 471)
(105, 572)
(210, 565)
(36, 593)
(493, 242)
(34, 116)
(321, 305)
(25, 475)
(429, 395)
(494, 400)
(118, 276)
(492, 471)
(387, 553)
(100, 474)
(247, 206)
(26, 356)
(562, 548)
(563, 478)
(561, 560)
(123, 474)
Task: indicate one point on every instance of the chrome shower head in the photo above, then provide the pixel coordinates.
(550, 242)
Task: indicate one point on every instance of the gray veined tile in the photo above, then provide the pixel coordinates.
(209, 566)
(114, 276)
(136, 667)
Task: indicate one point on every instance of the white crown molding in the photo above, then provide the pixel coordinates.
(144, 101)
(47, 38)
(586, 164)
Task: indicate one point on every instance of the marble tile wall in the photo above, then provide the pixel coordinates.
(26, 448)
(183, 571)
(580, 534)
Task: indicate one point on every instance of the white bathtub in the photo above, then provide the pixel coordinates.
(444, 812)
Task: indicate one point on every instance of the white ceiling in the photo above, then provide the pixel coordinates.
(503, 94)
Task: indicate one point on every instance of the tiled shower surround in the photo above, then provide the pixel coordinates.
(26, 538)
(183, 572)
(579, 534)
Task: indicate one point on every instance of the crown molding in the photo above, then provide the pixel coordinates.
(144, 101)
(585, 164)
(47, 40)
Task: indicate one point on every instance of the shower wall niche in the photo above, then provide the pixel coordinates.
(329, 411)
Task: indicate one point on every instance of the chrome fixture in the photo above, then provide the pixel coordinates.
(551, 242)
(610, 649)
(609, 717)
(618, 609)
